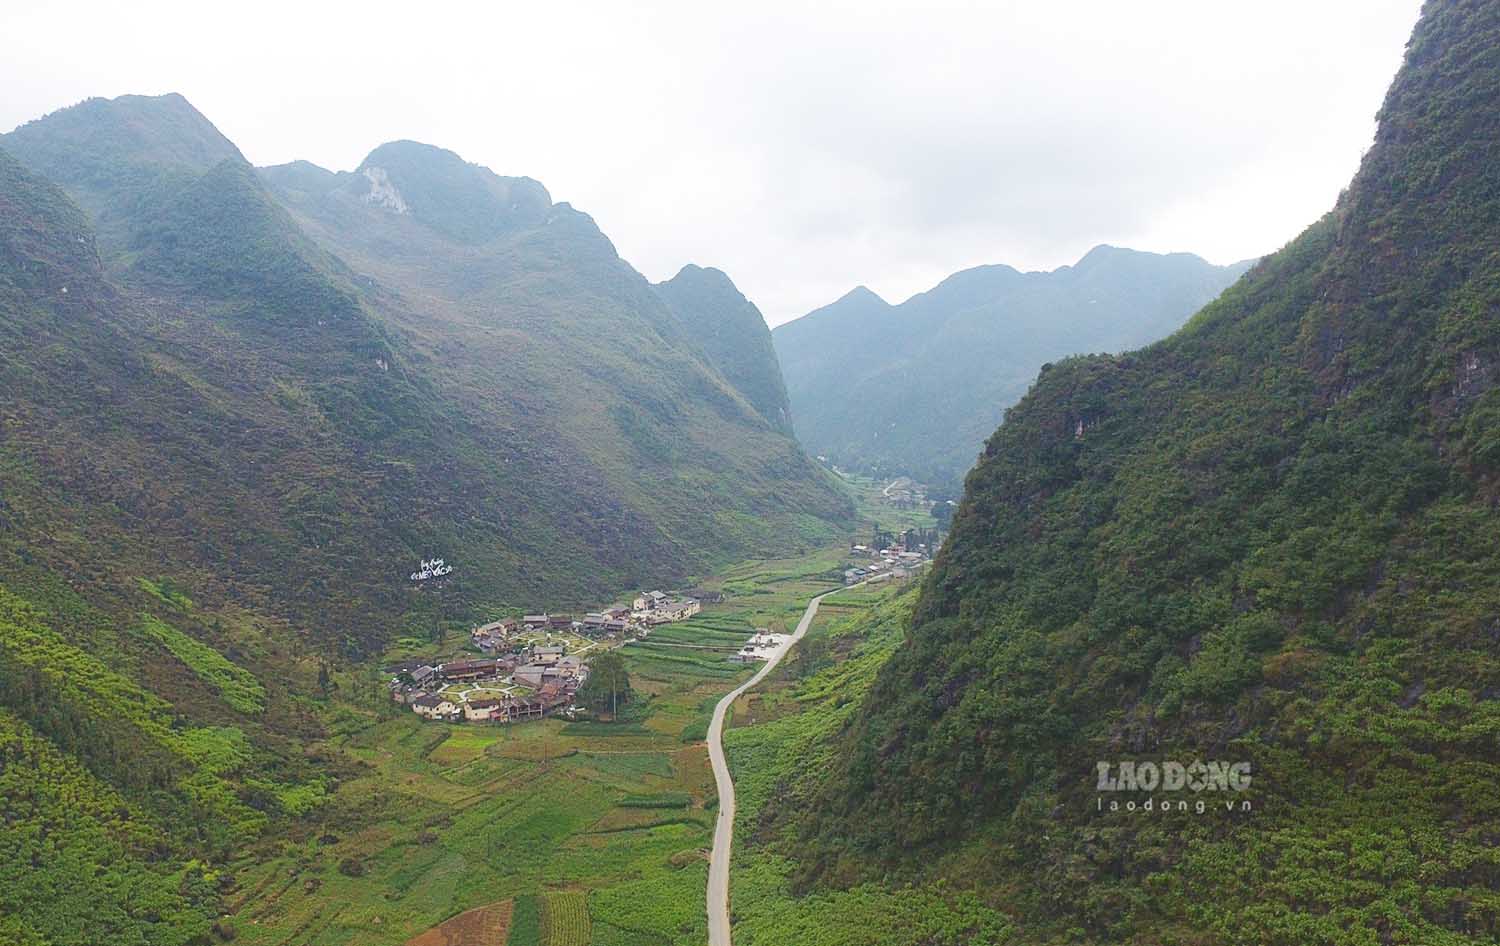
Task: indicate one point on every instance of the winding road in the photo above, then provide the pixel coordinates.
(718, 865)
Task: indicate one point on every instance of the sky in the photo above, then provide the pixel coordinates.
(802, 147)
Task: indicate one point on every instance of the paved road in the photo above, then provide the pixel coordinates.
(718, 865)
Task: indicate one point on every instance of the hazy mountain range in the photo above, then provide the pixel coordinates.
(916, 388)
(457, 364)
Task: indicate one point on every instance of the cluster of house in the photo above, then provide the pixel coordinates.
(510, 709)
(648, 610)
(551, 675)
(884, 564)
(655, 607)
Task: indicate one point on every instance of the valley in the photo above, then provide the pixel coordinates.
(721, 856)
(386, 560)
(433, 819)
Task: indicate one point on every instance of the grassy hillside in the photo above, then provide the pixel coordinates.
(1270, 539)
(120, 158)
(916, 388)
(733, 333)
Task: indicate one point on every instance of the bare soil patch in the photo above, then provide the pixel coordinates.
(481, 926)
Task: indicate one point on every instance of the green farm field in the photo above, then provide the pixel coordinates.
(777, 747)
(871, 508)
(595, 832)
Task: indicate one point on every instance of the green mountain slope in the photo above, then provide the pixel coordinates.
(733, 333)
(1273, 538)
(136, 753)
(542, 331)
(223, 447)
(871, 384)
(120, 158)
(488, 382)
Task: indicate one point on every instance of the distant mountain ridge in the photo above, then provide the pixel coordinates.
(734, 334)
(915, 388)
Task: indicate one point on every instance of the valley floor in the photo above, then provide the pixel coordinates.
(777, 745)
(558, 833)
(570, 832)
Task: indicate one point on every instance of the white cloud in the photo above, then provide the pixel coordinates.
(802, 147)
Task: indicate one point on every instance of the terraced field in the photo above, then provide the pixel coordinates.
(593, 832)
(565, 919)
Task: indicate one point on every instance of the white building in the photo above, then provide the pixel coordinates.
(433, 706)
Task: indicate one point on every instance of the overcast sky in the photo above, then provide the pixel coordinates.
(802, 147)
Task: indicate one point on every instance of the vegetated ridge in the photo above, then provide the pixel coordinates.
(1272, 538)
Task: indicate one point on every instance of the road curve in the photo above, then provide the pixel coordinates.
(718, 865)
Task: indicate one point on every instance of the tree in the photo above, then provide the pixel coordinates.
(608, 685)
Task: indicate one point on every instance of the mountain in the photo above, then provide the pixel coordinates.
(418, 357)
(1272, 539)
(871, 383)
(125, 736)
(733, 333)
(547, 335)
(118, 158)
(236, 408)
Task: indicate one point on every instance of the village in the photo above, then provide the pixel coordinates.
(533, 665)
(890, 557)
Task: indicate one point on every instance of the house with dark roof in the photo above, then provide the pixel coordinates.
(467, 669)
(529, 674)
